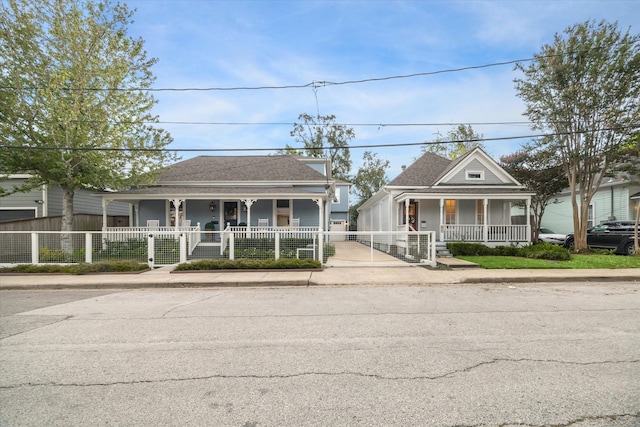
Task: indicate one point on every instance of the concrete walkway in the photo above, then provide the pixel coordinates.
(330, 276)
(353, 254)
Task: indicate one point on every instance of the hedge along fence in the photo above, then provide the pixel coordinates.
(537, 251)
(265, 248)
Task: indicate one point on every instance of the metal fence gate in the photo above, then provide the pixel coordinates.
(379, 248)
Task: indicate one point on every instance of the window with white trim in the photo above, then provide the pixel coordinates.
(475, 175)
(336, 197)
(449, 211)
(480, 212)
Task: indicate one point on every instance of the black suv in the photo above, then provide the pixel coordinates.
(616, 235)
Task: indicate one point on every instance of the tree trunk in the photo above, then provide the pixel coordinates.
(66, 238)
(635, 230)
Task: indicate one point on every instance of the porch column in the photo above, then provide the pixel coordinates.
(439, 236)
(176, 204)
(485, 215)
(406, 215)
(248, 203)
(320, 213)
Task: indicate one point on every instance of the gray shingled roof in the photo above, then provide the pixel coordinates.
(425, 171)
(215, 169)
(185, 190)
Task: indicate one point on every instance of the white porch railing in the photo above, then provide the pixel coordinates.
(267, 232)
(481, 233)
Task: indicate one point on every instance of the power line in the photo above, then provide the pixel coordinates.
(390, 145)
(197, 123)
(314, 84)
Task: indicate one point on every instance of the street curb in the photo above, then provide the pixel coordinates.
(550, 279)
(312, 283)
(181, 285)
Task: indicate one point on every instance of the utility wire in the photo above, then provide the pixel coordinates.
(390, 145)
(314, 84)
(380, 125)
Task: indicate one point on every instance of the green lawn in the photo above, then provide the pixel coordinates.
(577, 262)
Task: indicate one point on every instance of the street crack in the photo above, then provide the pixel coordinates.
(319, 373)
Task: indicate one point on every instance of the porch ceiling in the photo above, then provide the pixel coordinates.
(488, 192)
(214, 192)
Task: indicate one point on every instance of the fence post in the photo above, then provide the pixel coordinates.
(88, 248)
(35, 250)
(150, 250)
(232, 246)
(277, 248)
(320, 247)
(371, 254)
(432, 237)
(183, 248)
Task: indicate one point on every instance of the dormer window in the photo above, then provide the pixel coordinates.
(475, 175)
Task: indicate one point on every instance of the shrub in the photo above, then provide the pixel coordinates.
(470, 249)
(537, 251)
(56, 255)
(545, 251)
(249, 264)
(82, 268)
(507, 250)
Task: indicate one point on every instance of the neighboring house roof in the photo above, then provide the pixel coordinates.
(424, 172)
(635, 196)
(431, 170)
(253, 169)
(432, 174)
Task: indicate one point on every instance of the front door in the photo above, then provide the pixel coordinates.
(283, 213)
(231, 213)
(413, 215)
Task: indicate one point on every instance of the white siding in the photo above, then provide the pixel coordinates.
(475, 166)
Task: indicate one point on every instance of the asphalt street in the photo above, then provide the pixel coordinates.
(454, 355)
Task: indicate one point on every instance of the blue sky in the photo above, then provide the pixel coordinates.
(230, 44)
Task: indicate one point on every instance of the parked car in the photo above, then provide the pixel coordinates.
(617, 235)
(549, 236)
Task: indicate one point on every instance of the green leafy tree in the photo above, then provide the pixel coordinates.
(542, 174)
(74, 109)
(370, 178)
(320, 135)
(628, 166)
(455, 143)
(585, 89)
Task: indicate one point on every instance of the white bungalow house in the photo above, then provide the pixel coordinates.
(468, 199)
(237, 194)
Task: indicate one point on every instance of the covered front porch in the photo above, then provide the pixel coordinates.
(213, 219)
(464, 218)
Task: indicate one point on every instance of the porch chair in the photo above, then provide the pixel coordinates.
(263, 222)
(186, 223)
(294, 223)
(153, 223)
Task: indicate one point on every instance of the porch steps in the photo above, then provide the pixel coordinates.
(442, 251)
(205, 252)
(446, 260)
